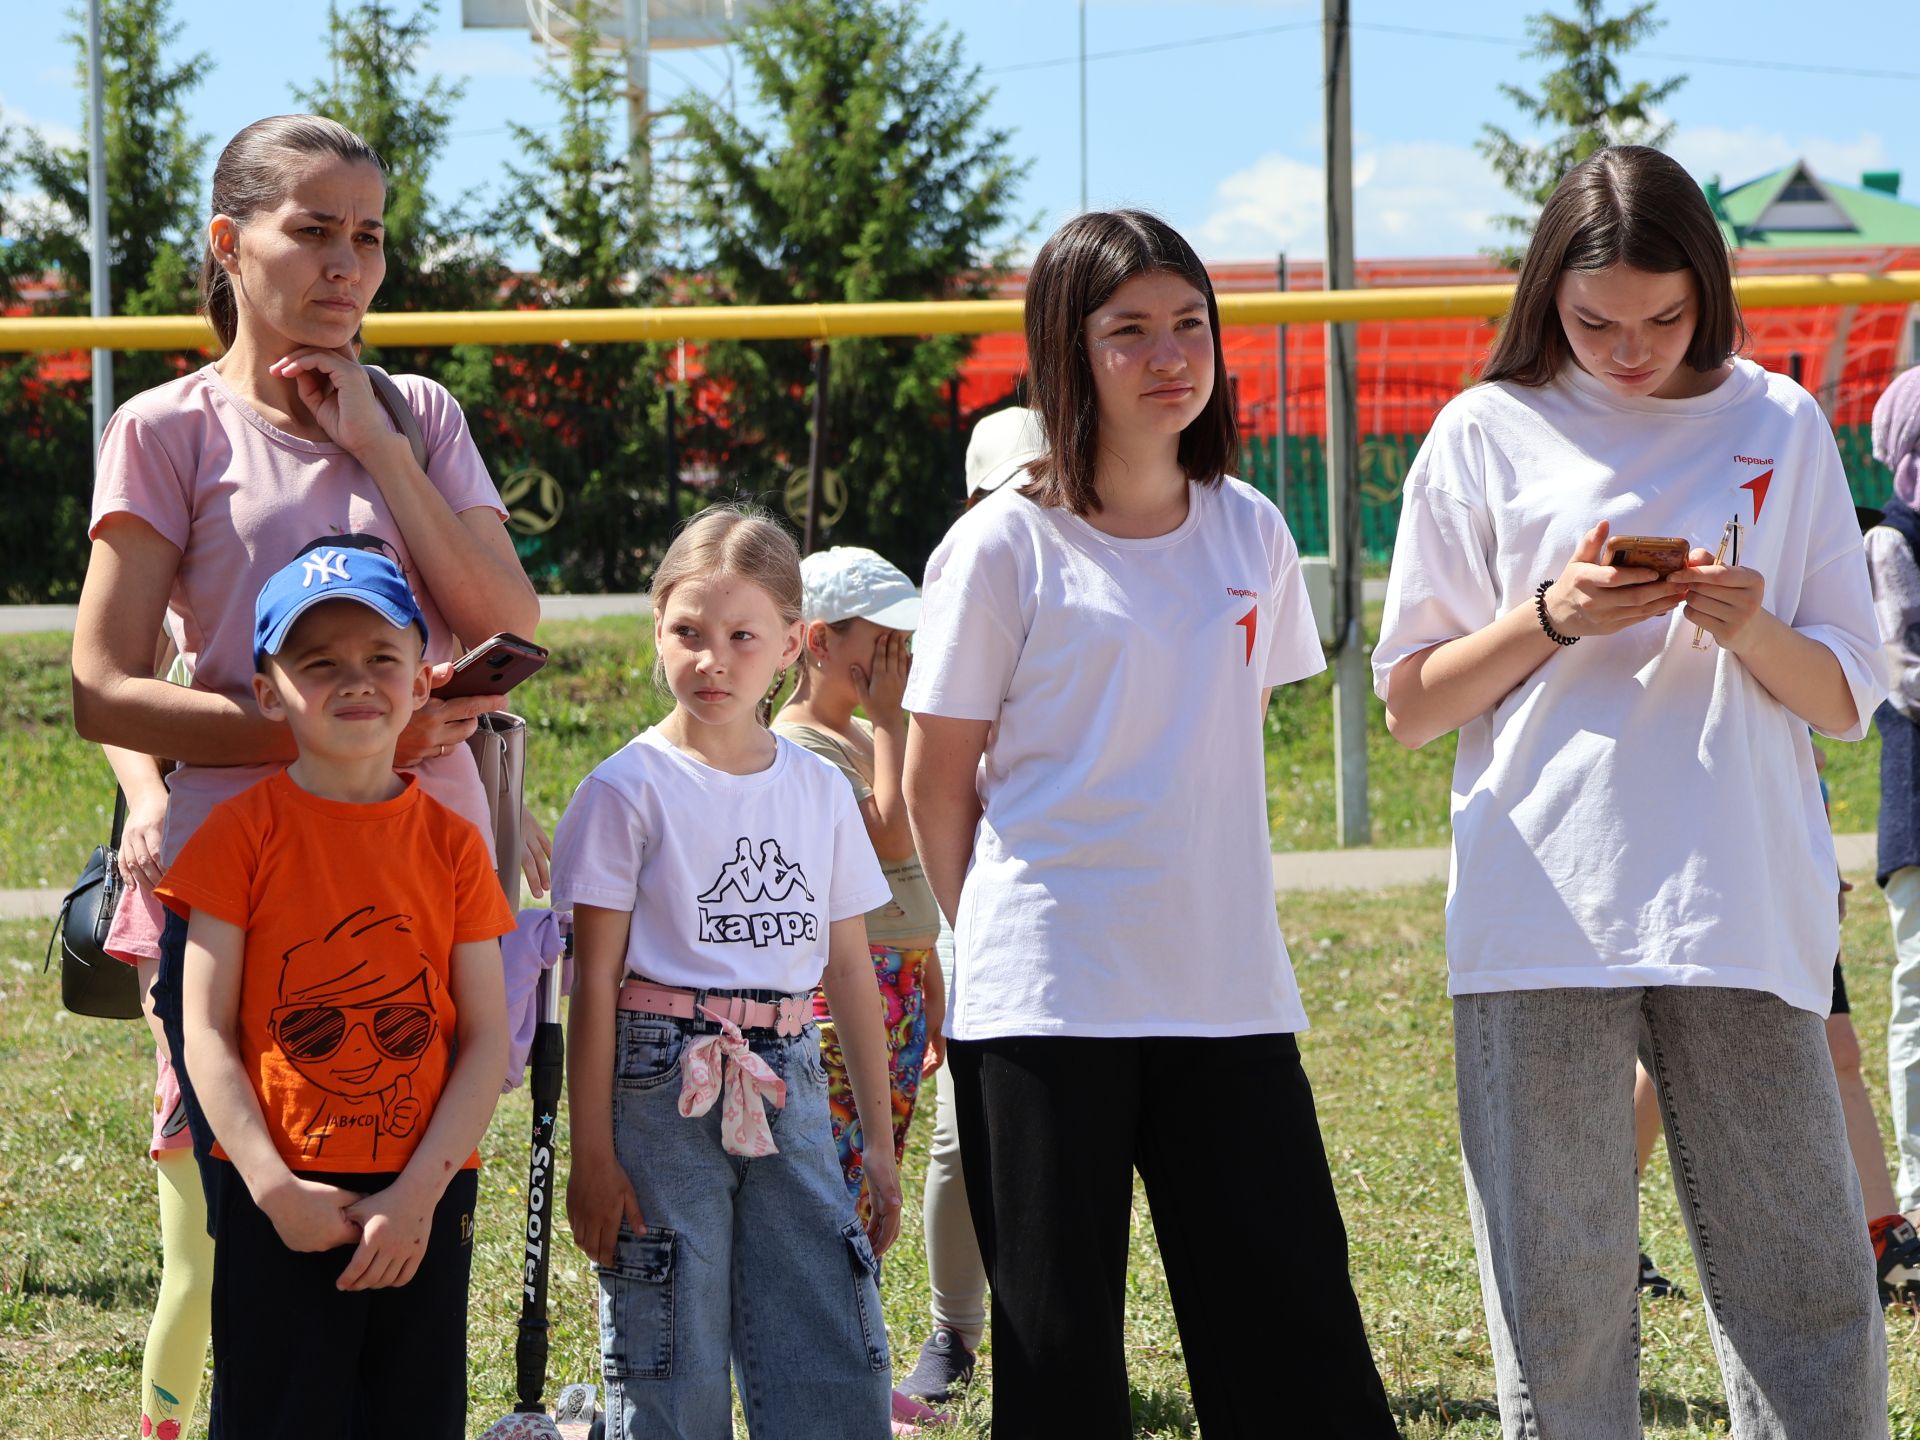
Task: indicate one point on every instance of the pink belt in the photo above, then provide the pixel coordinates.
(677, 1002)
(722, 1067)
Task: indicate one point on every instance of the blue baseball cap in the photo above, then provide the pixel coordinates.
(331, 572)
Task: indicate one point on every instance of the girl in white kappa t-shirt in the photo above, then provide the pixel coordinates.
(1640, 859)
(1104, 632)
(714, 870)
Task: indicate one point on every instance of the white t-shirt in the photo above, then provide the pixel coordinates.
(1122, 874)
(732, 879)
(1636, 812)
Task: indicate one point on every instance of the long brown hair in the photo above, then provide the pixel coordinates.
(1626, 204)
(1076, 272)
(251, 175)
(741, 540)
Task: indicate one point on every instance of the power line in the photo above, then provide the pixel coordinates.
(1158, 49)
(1732, 62)
(1421, 32)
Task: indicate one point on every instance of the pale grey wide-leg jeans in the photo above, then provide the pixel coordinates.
(1759, 1150)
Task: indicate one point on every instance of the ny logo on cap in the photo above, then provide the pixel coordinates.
(324, 566)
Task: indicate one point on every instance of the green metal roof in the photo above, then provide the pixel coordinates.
(1861, 215)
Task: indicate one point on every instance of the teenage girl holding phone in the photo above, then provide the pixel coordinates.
(1641, 864)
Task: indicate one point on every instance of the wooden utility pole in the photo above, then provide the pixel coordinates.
(1350, 669)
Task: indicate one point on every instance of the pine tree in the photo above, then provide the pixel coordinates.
(874, 177)
(1581, 105)
(584, 417)
(154, 213)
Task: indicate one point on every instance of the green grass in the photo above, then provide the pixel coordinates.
(56, 793)
(79, 1240)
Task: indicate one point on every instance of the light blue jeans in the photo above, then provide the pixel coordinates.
(1767, 1191)
(754, 1270)
(1903, 1030)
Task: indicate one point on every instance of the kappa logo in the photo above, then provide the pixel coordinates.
(324, 566)
(758, 876)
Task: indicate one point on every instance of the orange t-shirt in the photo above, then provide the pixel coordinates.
(346, 1022)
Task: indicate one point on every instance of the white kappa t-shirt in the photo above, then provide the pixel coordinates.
(732, 879)
(1636, 811)
(1122, 874)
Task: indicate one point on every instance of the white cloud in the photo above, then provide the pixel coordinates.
(1737, 156)
(1410, 198)
(1431, 198)
(52, 131)
(1272, 205)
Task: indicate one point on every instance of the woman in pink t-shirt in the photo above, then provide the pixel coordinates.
(209, 484)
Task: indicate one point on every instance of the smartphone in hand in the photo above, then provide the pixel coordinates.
(1659, 553)
(493, 668)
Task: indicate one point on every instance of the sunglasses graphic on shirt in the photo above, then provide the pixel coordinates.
(313, 1032)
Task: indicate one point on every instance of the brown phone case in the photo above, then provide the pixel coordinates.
(493, 668)
(1664, 554)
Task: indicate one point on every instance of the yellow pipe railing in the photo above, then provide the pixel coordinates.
(937, 317)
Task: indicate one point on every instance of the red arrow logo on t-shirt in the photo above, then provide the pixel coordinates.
(1758, 484)
(1250, 622)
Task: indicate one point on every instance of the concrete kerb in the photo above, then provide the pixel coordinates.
(59, 619)
(1295, 870)
(1385, 869)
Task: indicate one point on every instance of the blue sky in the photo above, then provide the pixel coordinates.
(1221, 135)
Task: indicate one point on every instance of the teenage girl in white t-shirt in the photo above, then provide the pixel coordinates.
(713, 870)
(1104, 632)
(1641, 861)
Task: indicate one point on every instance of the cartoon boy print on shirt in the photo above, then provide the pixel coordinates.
(354, 1018)
(758, 876)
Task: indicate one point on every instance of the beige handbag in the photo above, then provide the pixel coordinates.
(499, 746)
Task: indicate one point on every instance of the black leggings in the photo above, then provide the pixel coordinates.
(1223, 1133)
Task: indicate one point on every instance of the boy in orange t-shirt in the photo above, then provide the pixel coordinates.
(345, 1031)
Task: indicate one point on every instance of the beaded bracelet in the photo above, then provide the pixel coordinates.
(1540, 609)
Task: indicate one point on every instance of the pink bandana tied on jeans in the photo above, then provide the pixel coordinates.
(722, 1064)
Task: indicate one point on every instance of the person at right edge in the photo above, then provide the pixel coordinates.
(1893, 560)
(1640, 860)
(1105, 631)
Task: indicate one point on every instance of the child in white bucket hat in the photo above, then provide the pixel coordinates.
(859, 610)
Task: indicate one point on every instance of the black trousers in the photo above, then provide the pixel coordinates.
(1225, 1139)
(294, 1358)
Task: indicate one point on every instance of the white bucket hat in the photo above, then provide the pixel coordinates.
(850, 582)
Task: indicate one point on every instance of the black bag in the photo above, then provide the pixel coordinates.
(92, 982)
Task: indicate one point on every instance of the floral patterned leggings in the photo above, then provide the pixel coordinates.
(900, 975)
